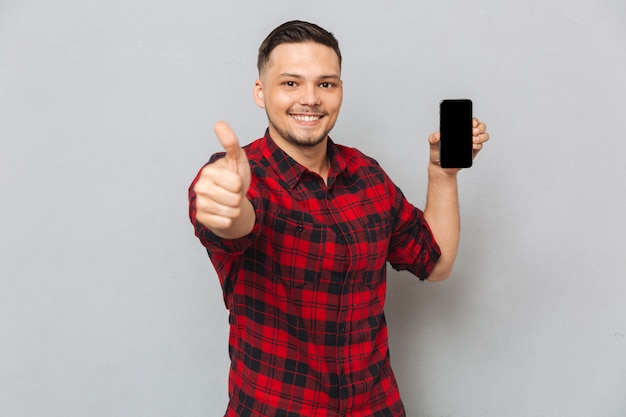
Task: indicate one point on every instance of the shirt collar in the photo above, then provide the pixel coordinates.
(291, 171)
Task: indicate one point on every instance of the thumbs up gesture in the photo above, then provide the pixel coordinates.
(221, 202)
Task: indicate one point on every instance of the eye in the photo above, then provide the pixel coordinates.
(290, 83)
(326, 85)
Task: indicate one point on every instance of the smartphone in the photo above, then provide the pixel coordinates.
(455, 125)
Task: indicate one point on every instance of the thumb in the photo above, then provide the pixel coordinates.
(236, 157)
(227, 138)
(229, 141)
(434, 139)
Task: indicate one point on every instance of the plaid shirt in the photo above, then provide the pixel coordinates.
(306, 288)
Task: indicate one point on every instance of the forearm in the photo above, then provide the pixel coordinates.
(442, 214)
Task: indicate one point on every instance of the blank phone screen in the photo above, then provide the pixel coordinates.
(456, 133)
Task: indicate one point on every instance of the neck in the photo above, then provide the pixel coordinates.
(314, 158)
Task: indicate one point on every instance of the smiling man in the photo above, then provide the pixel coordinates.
(300, 231)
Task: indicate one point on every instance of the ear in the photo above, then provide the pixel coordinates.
(257, 94)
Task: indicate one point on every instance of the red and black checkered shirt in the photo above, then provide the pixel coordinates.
(306, 288)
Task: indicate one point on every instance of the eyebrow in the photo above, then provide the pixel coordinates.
(321, 77)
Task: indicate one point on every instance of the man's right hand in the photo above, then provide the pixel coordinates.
(221, 202)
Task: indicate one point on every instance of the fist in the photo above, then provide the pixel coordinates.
(222, 186)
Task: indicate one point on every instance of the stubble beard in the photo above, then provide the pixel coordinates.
(293, 139)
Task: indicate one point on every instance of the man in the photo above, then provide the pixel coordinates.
(300, 229)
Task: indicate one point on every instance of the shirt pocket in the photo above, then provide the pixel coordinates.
(370, 251)
(298, 247)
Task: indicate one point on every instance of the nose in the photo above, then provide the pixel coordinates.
(310, 95)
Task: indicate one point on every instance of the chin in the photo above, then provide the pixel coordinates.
(307, 142)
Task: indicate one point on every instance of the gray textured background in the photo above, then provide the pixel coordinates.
(110, 307)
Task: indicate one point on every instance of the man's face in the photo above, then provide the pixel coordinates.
(301, 90)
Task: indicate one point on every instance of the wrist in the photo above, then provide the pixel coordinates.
(435, 172)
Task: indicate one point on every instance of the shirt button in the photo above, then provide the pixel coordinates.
(342, 327)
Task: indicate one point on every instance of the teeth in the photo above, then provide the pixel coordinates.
(306, 118)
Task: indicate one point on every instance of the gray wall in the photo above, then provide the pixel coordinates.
(110, 307)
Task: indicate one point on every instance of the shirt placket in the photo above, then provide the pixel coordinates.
(343, 325)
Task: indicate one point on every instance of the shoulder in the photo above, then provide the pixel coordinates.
(359, 164)
(253, 151)
(355, 158)
(254, 148)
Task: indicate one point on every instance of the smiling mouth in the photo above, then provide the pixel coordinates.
(306, 118)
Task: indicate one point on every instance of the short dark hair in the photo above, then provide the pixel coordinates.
(296, 31)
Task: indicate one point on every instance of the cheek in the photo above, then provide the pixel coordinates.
(277, 102)
(334, 102)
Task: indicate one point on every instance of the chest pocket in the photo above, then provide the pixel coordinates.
(370, 250)
(298, 249)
